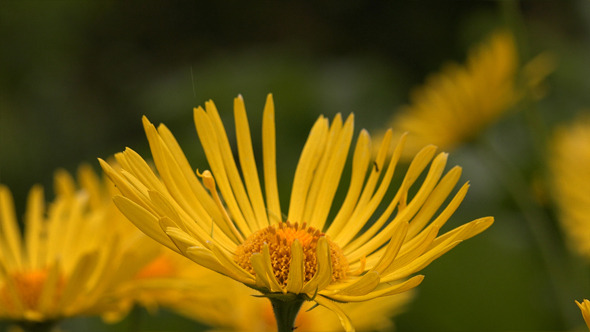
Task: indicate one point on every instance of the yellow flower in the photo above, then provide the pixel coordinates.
(457, 103)
(585, 308)
(325, 250)
(569, 163)
(71, 255)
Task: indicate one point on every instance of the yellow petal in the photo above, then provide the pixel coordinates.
(248, 164)
(323, 276)
(206, 258)
(220, 159)
(224, 258)
(391, 290)
(366, 284)
(310, 157)
(360, 162)
(269, 155)
(296, 269)
(78, 281)
(34, 225)
(147, 222)
(9, 233)
(330, 178)
(330, 305)
(274, 284)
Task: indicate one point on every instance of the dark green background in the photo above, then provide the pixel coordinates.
(76, 77)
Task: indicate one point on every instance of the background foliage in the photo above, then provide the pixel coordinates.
(76, 77)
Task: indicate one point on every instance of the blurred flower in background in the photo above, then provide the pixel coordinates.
(569, 163)
(305, 257)
(460, 101)
(72, 257)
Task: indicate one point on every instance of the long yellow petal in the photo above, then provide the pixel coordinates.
(366, 284)
(248, 163)
(334, 132)
(224, 258)
(206, 258)
(393, 247)
(269, 155)
(363, 213)
(34, 225)
(360, 162)
(331, 179)
(229, 163)
(408, 212)
(212, 147)
(147, 222)
(9, 232)
(203, 204)
(305, 167)
(391, 290)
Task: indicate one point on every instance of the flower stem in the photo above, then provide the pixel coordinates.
(286, 312)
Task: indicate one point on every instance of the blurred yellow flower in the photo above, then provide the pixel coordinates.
(169, 280)
(585, 308)
(71, 255)
(457, 103)
(356, 255)
(569, 164)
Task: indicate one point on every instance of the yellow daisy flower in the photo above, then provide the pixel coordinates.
(585, 308)
(569, 164)
(70, 257)
(324, 251)
(457, 103)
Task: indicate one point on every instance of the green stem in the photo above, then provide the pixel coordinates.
(135, 319)
(45, 326)
(286, 312)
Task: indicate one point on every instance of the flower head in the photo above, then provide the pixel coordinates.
(354, 250)
(71, 255)
(457, 103)
(569, 163)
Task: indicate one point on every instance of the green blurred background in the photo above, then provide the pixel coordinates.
(76, 77)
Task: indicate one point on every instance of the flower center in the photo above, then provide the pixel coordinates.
(279, 239)
(28, 286)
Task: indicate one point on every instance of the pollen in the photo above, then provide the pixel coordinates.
(279, 239)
